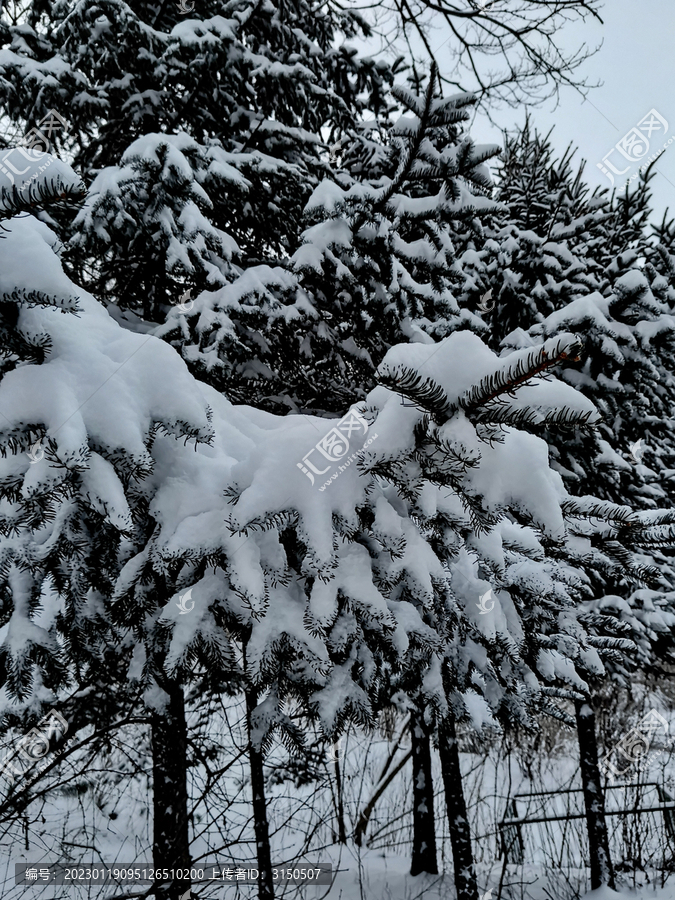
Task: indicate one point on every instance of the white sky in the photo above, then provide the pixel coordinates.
(636, 64)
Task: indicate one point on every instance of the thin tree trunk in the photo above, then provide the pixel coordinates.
(260, 825)
(380, 788)
(602, 872)
(171, 845)
(342, 830)
(458, 823)
(424, 825)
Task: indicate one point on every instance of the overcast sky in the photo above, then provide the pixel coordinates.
(636, 64)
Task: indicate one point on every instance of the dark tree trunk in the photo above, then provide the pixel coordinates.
(342, 830)
(262, 836)
(424, 826)
(171, 845)
(602, 872)
(458, 823)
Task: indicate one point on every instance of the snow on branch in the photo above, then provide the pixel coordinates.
(507, 381)
(604, 510)
(424, 392)
(38, 191)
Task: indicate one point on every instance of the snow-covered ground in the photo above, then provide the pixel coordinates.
(109, 813)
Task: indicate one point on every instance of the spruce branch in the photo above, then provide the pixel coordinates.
(604, 642)
(409, 157)
(424, 392)
(507, 381)
(603, 510)
(39, 195)
(33, 298)
(413, 150)
(502, 413)
(638, 572)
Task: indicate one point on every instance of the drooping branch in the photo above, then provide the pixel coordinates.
(40, 194)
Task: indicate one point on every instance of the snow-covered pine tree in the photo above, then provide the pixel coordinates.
(559, 240)
(307, 578)
(645, 617)
(259, 87)
(470, 534)
(542, 252)
(155, 212)
(554, 642)
(377, 267)
(75, 463)
(576, 261)
(628, 334)
(580, 284)
(23, 342)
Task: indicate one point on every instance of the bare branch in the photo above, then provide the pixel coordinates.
(505, 51)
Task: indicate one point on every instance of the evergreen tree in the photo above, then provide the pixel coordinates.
(328, 588)
(377, 267)
(541, 252)
(320, 596)
(257, 87)
(72, 463)
(580, 266)
(628, 341)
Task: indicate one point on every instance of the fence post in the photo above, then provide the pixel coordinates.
(513, 846)
(668, 814)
